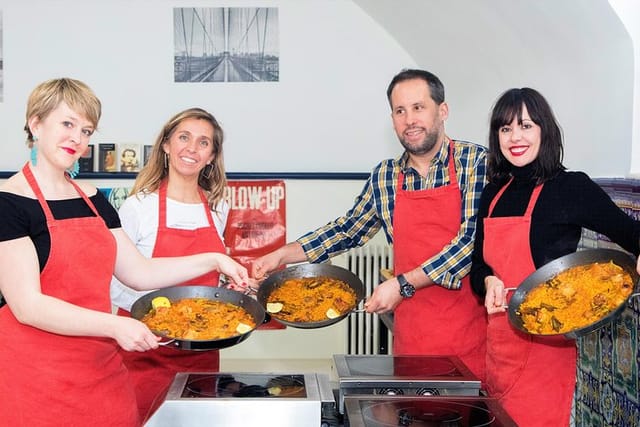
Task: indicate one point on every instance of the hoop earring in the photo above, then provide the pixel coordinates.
(166, 161)
(206, 171)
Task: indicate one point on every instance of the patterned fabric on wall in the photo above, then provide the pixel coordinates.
(608, 391)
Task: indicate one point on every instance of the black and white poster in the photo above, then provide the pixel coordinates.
(226, 44)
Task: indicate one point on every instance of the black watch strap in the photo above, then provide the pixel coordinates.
(407, 290)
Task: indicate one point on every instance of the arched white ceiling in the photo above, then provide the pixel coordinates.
(577, 53)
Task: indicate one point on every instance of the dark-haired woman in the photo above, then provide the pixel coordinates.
(532, 212)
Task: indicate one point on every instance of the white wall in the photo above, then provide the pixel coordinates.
(629, 13)
(577, 53)
(327, 113)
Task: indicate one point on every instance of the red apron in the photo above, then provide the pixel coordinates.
(52, 380)
(533, 377)
(435, 321)
(153, 371)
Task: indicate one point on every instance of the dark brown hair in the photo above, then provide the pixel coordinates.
(508, 107)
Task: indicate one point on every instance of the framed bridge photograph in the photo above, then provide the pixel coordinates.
(226, 44)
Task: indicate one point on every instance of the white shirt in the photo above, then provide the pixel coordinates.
(139, 218)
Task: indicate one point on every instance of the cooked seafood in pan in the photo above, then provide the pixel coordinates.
(575, 298)
(198, 319)
(311, 299)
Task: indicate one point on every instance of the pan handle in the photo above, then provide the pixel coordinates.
(171, 341)
(225, 283)
(507, 290)
(251, 291)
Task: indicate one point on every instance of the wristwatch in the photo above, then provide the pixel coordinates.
(406, 289)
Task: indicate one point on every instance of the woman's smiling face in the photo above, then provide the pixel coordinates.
(63, 135)
(520, 142)
(190, 146)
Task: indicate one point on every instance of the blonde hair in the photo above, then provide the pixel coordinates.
(152, 174)
(48, 95)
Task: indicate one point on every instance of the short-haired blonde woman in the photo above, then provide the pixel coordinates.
(60, 243)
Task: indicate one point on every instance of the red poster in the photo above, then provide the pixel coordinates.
(257, 221)
(257, 218)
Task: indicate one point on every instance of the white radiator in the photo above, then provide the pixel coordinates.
(364, 330)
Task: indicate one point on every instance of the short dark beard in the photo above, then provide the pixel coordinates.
(429, 141)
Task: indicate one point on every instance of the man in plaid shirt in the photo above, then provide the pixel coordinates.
(426, 201)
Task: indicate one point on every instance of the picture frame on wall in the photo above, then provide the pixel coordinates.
(116, 195)
(107, 157)
(86, 162)
(202, 34)
(130, 157)
(146, 153)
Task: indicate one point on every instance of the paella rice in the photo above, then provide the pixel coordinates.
(199, 319)
(575, 298)
(311, 299)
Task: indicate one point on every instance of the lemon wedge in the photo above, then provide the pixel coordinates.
(274, 391)
(274, 307)
(243, 328)
(160, 302)
(332, 314)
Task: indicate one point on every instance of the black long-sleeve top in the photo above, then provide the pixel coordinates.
(568, 202)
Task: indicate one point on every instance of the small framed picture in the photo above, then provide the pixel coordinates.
(147, 153)
(86, 161)
(130, 158)
(107, 157)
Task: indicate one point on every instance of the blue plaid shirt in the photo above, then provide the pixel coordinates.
(373, 209)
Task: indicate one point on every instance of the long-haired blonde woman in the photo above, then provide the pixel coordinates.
(176, 207)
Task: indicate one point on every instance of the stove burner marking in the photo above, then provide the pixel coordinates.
(417, 413)
(224, 385)
(390, 391)
(427, 392)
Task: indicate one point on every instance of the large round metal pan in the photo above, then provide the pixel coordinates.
(143, 305)
(276, 280)
(550, 270)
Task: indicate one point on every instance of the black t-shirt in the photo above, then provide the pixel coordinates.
(567, 203)
(22, 216)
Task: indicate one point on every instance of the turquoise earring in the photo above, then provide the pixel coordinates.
(73, 171)
(34, 154)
